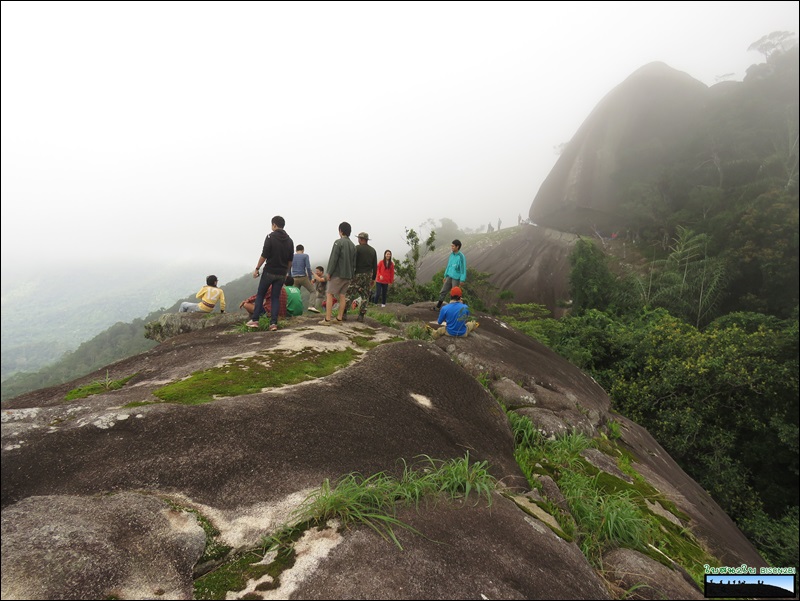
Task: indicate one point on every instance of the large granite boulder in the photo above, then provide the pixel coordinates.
(530, 261)
(104, 496)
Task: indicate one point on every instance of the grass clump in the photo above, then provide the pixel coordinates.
(134, 404)
(604, 519)
(232, 576)
(97, 387)
(607, 511)
(614, 429)
(459, 477)
(364, 342)
(253, 374)
(355, 499)
(525, 434)
(417, 331)
(373, 501)
(484, 379)
(387, 319)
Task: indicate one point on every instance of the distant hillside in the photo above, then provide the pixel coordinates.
(49, 313)
(121, 340)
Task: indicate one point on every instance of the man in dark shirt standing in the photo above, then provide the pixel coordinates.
(364, 278)
(277, 254)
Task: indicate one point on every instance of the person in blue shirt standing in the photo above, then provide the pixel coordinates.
(455, 273)
(303, 278)
(455, 316)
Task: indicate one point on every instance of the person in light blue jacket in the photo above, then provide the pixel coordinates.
(455, 274)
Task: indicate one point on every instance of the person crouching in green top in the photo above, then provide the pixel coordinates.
(294, 300)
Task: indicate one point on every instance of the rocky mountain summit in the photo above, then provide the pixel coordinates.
(171, 485)
(638, 128)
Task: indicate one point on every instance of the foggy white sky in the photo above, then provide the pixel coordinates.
(173, 131)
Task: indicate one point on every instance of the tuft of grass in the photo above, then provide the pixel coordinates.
(614, 429)
(459, 477)
(232, 576)
(604, 519)
(253, 374)
(387, 319)
(565, 451)
(605, 510)
(417, 331)
(96, 387)
(364, 342)
(134, 404)
(373, 501)
(484, 378)
(355, 499)
(525, 433)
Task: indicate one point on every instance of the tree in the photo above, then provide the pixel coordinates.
(407, 289)
(689, 283)
(448, 230)
(591, 283)
(777, 41)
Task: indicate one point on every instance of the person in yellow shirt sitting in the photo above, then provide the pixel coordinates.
(209, 296)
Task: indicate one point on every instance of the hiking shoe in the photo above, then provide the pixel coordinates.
(360, 317)
(383, 305)
(325, 322)
(273, 327)
(313, 309)
(252, 324)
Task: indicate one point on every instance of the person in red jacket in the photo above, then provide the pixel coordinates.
(383, 278)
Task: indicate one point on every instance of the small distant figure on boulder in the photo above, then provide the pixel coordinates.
(498, 224)
(209, 296)
(454, 315)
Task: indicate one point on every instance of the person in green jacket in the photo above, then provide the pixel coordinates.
(341, 267)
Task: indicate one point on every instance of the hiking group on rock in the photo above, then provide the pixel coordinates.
(355, 278)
